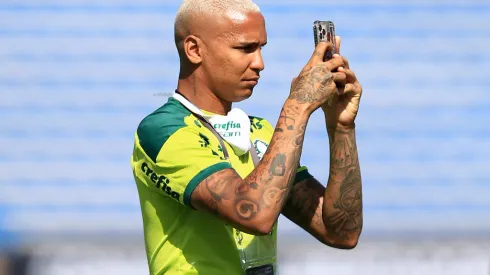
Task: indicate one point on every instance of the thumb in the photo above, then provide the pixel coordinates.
(293, 82)
(337, 44)
(319, 52)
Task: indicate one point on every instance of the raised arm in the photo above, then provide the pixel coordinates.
(334, 214)
(253, 204)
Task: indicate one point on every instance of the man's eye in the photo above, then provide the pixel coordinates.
(247, 48)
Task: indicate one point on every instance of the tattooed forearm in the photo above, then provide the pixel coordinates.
(260, 196)
(298, 140)
(287, 115)
(303, 206)
(285, 189)
(246, 210)
(343, 148)
(343, 201)
(345, 215)
(278, 166)
(217, 184)
(273, 177)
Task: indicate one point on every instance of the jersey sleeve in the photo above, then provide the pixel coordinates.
(186, 158)
(262, 132)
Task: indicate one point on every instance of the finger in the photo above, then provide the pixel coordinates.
(354, 88)
(349, 88)
(346, 61)
(350, 75)
(333, 99)
(334, 63)
(339, 78)
(340, 90)
(293, 82)
(319, 52)
(337, 44)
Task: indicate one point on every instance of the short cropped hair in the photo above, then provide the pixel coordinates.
(195, 8)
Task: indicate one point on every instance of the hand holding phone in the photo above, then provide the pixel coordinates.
(324, 31)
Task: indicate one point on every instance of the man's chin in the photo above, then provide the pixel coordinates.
(244, 94)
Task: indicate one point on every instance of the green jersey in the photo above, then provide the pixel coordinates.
(173, 153)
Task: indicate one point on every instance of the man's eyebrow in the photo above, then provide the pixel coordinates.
(249, 43)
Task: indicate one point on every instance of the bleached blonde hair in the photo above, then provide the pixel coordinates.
(191, 9)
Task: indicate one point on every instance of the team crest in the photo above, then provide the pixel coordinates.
(260, 147)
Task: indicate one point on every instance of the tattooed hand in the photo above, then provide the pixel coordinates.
(315, 85)
(342, 109)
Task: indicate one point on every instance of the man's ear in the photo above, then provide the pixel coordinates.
(192, 49)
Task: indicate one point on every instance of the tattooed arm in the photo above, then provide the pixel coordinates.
(253, 204)
(333, 215)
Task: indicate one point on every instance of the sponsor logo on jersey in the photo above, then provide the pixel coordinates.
(230, 129)
(260, 147)
(160, 181)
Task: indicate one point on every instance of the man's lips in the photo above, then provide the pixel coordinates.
(252, 80)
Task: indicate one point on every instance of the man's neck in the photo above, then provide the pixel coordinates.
(202, 97)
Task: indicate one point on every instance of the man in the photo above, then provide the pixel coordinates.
(213, 181)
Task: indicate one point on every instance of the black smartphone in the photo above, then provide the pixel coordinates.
(325, 31)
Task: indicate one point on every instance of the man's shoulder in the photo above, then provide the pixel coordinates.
(156, 128)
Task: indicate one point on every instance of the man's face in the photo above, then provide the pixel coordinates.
(232, 59)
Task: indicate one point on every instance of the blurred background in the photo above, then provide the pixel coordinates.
(77, 76)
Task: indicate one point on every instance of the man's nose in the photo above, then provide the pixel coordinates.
(257, 62)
